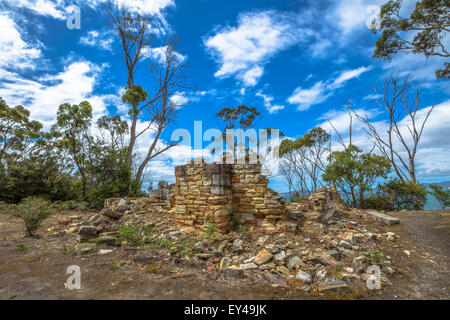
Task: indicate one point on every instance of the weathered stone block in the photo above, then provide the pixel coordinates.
(221, 180)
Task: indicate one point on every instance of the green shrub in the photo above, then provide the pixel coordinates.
(442, 196)
(33, 211)
(404, 195)
(210, 230)
(22, 248)
(296, 197)
(134, 234)
(378, 202)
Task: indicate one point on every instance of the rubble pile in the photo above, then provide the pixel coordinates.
(317, 245)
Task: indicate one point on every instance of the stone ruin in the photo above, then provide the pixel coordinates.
(223, 193)
(228, 195)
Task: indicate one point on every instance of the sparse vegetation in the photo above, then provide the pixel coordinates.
(134, 234)
(33, 211)
(22, 248)
(210, 230)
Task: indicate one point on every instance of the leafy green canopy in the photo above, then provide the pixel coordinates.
(430, 23)
(355, 172)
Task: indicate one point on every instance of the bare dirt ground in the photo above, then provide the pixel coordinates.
(35, 268)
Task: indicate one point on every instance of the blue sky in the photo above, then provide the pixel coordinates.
(298, 62)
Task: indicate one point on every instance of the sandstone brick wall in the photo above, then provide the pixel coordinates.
(217, 193)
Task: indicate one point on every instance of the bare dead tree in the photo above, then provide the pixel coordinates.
(401, 101)
(135, 36)
(168, 75)
(159, 108)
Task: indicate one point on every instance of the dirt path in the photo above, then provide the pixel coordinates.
(427, 233)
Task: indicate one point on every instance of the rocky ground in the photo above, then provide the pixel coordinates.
(143, 256)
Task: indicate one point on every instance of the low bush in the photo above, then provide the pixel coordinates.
(33, 211)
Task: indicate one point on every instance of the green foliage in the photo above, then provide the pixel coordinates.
(210, 230)
(22, 248)
(442, 195)
(133, 96)
(183, 247)
(240, 117)
(302, 163)
(404, 195)
(115, 264)
(296, 197)
(422, 33)
(234, 221)
(355, 172)
(33, 211)
(134, 234)
(374, 257)
(16, 128)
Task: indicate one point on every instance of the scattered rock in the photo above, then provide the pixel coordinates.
(224, 263)
(234, 272)
(280, 256)
(335, 254)
(107, 240)
(237, 245)
(334, 286)
(115, 215)
(105, 251)
(248, 266)
(345, 244)
(293, 261)
(262, 257)
(303, 276)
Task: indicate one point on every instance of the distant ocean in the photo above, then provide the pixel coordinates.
(431, 204)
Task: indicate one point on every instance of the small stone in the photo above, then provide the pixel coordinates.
(303, 276)
(234, 273)
(267, 266)
(335, 254)
(292, 261)
(107, 240)
(248, 266)
(391, 238)
(321, 274)
(345, 244)
(107, 212)
(224, 263)
(283, 270)
(237, 245)
(261, 241)
(407, 252)
(105, 251)
(204, 256)
(88, 230)
(262, 257)
(333, 286)
(280, 256)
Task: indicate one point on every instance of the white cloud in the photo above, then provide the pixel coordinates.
(305, 98)
(348, 75)
(268, 103)
(95, 39)
(432, 159)
(158, 54)
(53, 8)
(15, 52)
(58, 9)
(243, 50)
(321, 91)
(43, 97)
